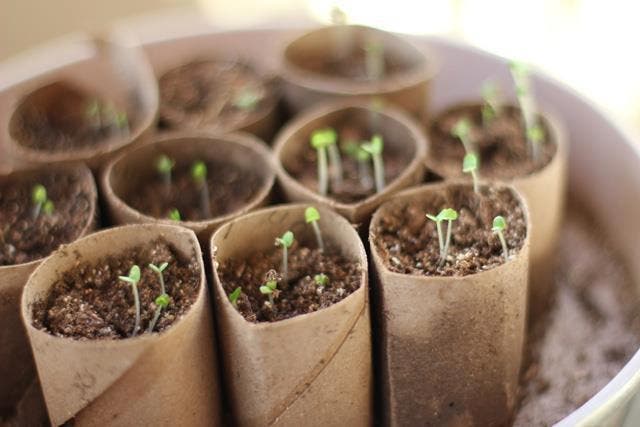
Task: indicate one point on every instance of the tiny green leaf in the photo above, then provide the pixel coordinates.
(434, 218)
(321, 279)
(448, 214)
(199, 172)
(174, 215)
(375, 146)
(39, 194)
(162, 300)
(461, 129)
(266, 290)
(164, 164)
(48, 207)
(470, 163)
(535, 134)
(246, 99)
(271, 284)
(285, 240)
(323, 138)
(311, 214)
(158, 269)
(120, 119)
(499, 223)
(233, 296)
(134, 275)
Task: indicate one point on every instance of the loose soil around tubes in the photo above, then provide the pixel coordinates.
(230, 188)
(56, 118)
(90, 302)
(353, 189)
(201, 93)
(301, 294)
(502, 146)
(408, 241)
(23, 238)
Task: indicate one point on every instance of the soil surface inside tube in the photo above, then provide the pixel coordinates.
(501, 146)
(25, 237)
(214, 94)
(300, 294)
(229, 189)
(408, 241)
(91, 302)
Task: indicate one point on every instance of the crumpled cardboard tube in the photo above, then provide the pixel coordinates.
(451, 347)
(545, 192)
(400, 133)
(152, 379)
(313, 369)
(17, 368)
(127, 170)
(117, 72)
(303, 87)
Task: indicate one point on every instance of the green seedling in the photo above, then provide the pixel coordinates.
(462, 131)
(199, 176)
(164, 166)
(162, 301)
(133, 278)
(375, 148)
(533, 130)
(40, 201)
(174, 215)
(374, 60)
(312, 216)
(324, 140)
(268, 289)
(321, 280)
(353, 150)
(247, 99)
(106, 115)
(491, 102)
(448, 215)
(499, 225)
(159, 269)
(470, 165)
(286, 240)
(233, 296)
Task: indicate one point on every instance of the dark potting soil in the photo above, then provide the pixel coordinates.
(590, 331)
(502, 146)
(229, 190)
(301, 294)
(201, 93)
(407, 241)
(90, 302)
(353, 188)
(24, 238)
(61, 117)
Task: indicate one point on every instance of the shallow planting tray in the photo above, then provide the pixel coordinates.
(583, 363)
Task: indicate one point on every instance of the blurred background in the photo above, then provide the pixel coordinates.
(588, 44)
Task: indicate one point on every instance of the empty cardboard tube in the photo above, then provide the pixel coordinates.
(451, 347)
(126, 173)
(315, 364)
(17, 368)
(152, 379)
(401, 135)
(304, 83)
(117, 72)
(545, 192)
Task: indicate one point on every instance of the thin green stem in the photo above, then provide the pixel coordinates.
(161, 277)
(272, 302)
(505, 249)
(440, 236)
(285, 265)
(35, 211)
(378, 169)
(156, 316)
(476, 185)
(136, 300)
(446, 245)
(323, 179)
(316, 231)
(336, 165)
(364, 174)
(205, 205)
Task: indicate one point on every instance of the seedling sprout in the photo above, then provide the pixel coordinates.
(233, 296)
(159, 269)
(269, 288)
(374, 148)
(321, 280)
(462, 131)
(247, 99)
(133, 278)
(470, 165)
(162, 301)
(353, 150)
(164, 166)
(533, 131)
(174, 215)
(104, 114)
(312, 216)
(40, 201)
(324, 140)
(448, 215)
(499, 225)
(199, 176)
(491, 105)
(286, 240)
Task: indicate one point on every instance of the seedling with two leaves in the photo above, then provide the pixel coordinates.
(375, 148)
(448, 215)
(199, 176)
(499, 225)
(270, 286)
(164, 166)
(321, 280)
(133, 278)
(40, 201)
(312, 216)
(325, 141)
(285, 241)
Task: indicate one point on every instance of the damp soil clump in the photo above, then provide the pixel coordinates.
(89, 302)
(408, 243)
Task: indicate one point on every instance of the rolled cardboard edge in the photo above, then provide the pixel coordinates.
(545, 192)
(361, 211)
(134, 75)
(151, 378)
(182, 144)
(17, 368)
(409, 89)
(451, 347)
(331, 374)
